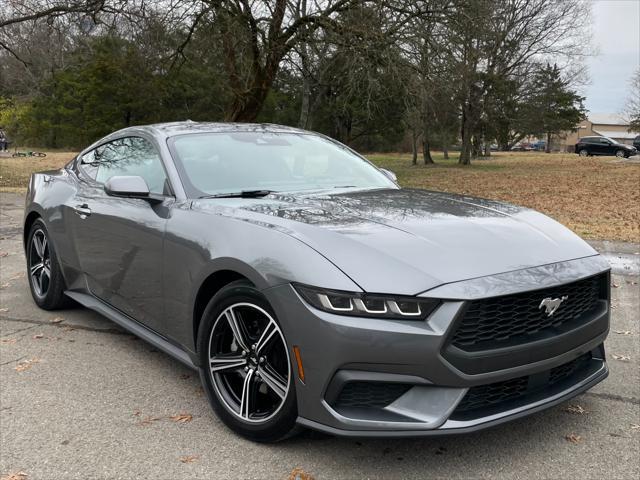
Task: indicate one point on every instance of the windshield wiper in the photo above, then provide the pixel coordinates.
(241, 194)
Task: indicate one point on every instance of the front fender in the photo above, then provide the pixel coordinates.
(199, 244)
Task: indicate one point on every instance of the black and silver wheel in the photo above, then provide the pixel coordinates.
(620, 153)
(45, 278)
(245, 364)
(583, 152)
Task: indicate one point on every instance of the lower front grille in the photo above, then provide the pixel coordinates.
(369, 394)
(501, 394)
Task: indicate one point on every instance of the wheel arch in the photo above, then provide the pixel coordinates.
(212, 284)
(28, 223)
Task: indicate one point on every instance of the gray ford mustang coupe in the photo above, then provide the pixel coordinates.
(309, 290)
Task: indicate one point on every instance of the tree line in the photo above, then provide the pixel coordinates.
(375, 74)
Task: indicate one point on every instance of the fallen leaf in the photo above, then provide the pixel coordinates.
(573, 438)
(137, 413)
(576, 409)
(148, 421)
(56, 320)
(623, 332)
(189, 458)
(26, 365)
(299, 474)
(37, 336)
(182, 417)
(4, 254)
(622, 358)
(635, 426)
(14, 476)
(615, 285)
(3, 310)
(8, 341)
(68, 329)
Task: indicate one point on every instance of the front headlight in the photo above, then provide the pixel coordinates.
(368, 305)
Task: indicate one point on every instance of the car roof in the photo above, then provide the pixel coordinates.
(171, 129)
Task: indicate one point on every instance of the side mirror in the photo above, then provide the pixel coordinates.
(127, 186)
(390, 175)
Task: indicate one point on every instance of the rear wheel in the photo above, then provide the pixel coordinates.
(583, 152)
(43, 270)
(245, 365)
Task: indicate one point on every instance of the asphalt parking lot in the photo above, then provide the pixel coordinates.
(81, 398)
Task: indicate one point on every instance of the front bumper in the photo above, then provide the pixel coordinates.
(339, 350)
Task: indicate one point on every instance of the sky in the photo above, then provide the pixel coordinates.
(616, 36)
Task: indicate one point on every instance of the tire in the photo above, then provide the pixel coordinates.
(43, 269)
(247, 365)
(583, 153)
(621, 154)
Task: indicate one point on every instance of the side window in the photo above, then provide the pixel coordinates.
(130, 156)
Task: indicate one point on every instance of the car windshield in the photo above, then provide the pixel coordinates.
(230, 162)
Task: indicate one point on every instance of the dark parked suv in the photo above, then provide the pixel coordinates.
(603, 146)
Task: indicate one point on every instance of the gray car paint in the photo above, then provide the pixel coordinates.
(148, 261)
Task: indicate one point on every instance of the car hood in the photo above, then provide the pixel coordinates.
(406, 241)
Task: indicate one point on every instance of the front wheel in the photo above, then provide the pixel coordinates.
(583, 153)
(45, 276)
(620, 154)
(245, 365)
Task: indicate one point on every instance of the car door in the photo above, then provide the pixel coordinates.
(605, 147)
(119, 241)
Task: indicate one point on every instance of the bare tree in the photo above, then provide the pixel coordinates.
(631, 111)
(492, 39)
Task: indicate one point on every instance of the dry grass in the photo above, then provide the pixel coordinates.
(598, 198)
(15, 172)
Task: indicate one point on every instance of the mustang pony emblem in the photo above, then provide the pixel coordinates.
(552, 304)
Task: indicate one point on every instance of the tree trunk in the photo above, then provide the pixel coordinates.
(475, 147)
(246, 107)
(445, 150)
(414, 147)
(426, 151)
(305, 106)
(487, 150)
(465, 133)
(547, 147)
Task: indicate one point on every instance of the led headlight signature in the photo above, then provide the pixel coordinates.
(368, 305)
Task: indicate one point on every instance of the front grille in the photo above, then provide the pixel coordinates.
(370, 394)
(517, 389)
(514, 319)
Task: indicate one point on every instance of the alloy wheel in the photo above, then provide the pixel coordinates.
(619, 154)
(249, 362)
(584, 153)
(40, 263)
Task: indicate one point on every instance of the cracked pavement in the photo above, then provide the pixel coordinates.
(81, 398)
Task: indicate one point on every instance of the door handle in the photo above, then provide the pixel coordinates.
(82, 210)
